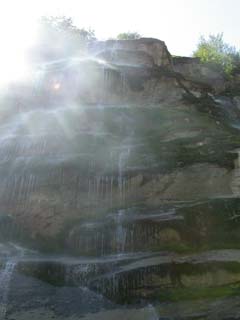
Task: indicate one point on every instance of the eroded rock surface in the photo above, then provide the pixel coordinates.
(153, 48)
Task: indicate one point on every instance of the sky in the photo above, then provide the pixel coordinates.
(177, 22)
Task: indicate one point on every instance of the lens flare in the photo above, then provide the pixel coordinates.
(56, 86)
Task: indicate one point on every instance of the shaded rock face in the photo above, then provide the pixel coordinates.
(193, 70)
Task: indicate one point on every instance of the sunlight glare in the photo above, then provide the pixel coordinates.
(56, 86)
(17, 39)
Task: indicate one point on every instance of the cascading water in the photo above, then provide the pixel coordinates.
(105, 84)
(13, 254)
(123, 84)
(235, 184)
(122, 160)
(152, 313)
(121, 233)
(5, 281)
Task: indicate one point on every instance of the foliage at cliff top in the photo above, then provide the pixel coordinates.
(218, 54)
(59, 38)
(128, 36)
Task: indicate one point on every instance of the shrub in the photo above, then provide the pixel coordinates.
(128, 36)
(218, 54)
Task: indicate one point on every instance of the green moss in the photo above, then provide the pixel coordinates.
(180, 247)
(181, 294)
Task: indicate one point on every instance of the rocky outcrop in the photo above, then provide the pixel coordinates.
(125, 72)
(136, 72)
(145, 50)
(192, 69)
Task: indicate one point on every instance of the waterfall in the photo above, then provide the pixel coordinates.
(105, 89)
(114, 52)
(121, 233)
(123, 84)
(152, 313)
(6, 274)
(123, 157)
(5, 280)
(235, 183)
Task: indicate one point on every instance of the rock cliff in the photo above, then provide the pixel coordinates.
(127, 126)
(134, 71)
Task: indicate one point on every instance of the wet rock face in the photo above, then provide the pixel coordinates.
(67, 163)
(126, 79)
(145, 48)
(181, 227)
(128, 178)
(236, 100)
(161, 277)
(131, 230)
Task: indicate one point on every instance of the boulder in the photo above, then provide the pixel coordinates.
(154, 48)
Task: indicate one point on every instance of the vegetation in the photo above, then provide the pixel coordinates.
(128, 36)
(65, 25)
(59, 38)
(218, 54)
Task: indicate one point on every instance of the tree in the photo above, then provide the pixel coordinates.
(62, 24)
(128, 36)
(217, 53)
(60, 38)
